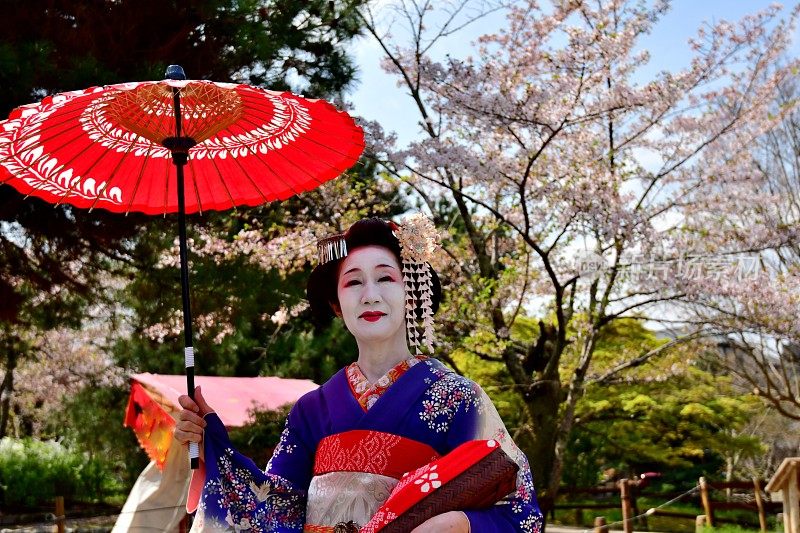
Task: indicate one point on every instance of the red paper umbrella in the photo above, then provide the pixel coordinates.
(112, 147)
(175, 145)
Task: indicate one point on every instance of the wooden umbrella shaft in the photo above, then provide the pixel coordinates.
(179, 147)
(187, 310)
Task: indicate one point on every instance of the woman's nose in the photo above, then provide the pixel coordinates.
(371, 293)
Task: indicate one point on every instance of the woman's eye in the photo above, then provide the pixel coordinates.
(352, 282)
(386, 278)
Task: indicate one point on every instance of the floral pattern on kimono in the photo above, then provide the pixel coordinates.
(253, 503)
(455, 406)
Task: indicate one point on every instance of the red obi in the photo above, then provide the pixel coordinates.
(371, 451)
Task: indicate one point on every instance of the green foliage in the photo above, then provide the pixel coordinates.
(34, 472)
(48, 48)
(494, 379)
(314, 354)
(613, 516)
(727, 529)
(257, 439)
(669, 415)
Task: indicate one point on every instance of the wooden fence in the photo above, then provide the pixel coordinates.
(625, 494)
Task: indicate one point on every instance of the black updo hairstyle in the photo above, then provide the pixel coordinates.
(321, 290)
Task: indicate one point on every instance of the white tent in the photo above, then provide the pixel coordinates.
(157, 501)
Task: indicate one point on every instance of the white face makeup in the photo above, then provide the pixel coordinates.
(372, 296)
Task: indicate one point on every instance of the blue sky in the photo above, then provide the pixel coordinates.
(376, 96)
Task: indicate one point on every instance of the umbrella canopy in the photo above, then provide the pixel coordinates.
(112, 147)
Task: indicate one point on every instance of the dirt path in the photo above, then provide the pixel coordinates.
(96, 524)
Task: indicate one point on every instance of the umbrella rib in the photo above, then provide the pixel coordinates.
(264, 198)
(164, 208)
(67, 112)
(139, 179)
(222, 180)
(206, 124)
(145, 125)
(254, 151)
(354, 128)
(32, 132)
(196, 191)
(63, 117)
(71, 187)
(151, 118)
(337, 152)
(195, 175)
(255, 125)
(271, 171)
(310, 139)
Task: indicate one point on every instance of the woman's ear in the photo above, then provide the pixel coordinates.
(337, 309)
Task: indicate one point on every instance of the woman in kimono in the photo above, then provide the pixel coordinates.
(346, 444)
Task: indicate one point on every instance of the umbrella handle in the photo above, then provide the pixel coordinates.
(194, 455)
(188, 356)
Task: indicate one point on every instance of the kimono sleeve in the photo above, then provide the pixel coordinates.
(232, 494)
(519, 511)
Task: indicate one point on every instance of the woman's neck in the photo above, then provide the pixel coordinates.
(376, 360)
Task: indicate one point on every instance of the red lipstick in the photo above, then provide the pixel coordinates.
(372, 316)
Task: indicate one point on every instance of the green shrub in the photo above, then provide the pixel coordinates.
(92, 423)
(33, 473)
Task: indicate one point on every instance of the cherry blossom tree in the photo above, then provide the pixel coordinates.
(572, 184)
(66, 361)
(52, 280)
(763, 352)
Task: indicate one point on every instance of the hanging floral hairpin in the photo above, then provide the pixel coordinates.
(418, 242)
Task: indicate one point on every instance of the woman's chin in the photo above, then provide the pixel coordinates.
(375, 332)
(372, 336)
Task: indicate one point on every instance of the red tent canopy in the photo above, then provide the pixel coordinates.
(154, 401)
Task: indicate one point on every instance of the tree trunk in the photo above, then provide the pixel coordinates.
(6, 390)
(543, 406)
(564, 418)
(728, 477)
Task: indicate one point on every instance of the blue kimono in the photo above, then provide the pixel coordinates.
(429, 407)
